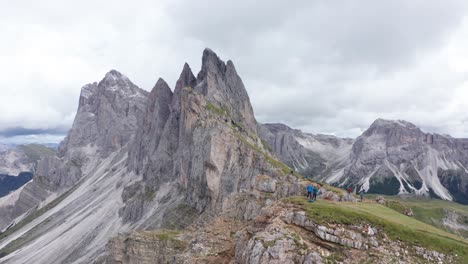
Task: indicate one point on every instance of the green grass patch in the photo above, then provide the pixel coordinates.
(338, 191)
(34, 152)
(280, 166)
(396, 205)
(215, 109)
(168, 236)
(395, 225)
(266, 146)
(430, 211)
(149, 194)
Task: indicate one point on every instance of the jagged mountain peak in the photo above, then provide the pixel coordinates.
(380, 122)
(161, 85)
(88, 89)
(385, 127)
(186, 78)
(114, 75)
(115, 81)
(107, 114)
(222, 86)
(160, 96)
(212, 63)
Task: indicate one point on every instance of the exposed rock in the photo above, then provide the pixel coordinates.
(145, 247)
(280, 233)
(455, 221)
(408, 212)
(327, 195)
(433, 256)
(264, 183)
(347, 197)
(380, 200)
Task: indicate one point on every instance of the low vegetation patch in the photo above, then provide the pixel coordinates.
(396, 226)
(281, 167)
(396, 205)
(170, 237)
(215, 109)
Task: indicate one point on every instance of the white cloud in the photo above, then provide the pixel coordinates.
(322, 66)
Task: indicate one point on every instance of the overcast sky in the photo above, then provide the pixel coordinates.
(321, 66)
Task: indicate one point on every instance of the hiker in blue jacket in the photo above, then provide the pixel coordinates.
(314, 192)
(310, 189)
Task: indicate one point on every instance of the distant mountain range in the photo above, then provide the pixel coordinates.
(18, 163)
(9, 183)
(391, 157)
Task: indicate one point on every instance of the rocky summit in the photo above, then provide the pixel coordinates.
(189, 176)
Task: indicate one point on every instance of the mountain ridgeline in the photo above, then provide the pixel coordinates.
(391, 157)
(195, 160)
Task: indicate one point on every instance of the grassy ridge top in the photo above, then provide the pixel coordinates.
(36, 151)
(397, 226)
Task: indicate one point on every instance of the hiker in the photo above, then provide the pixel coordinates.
(314, 191)
(361, 193)
(310, 189)
(350, 190)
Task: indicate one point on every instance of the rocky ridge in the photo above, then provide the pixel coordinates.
(281, 233)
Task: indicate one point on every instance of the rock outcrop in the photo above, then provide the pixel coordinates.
(279, 233)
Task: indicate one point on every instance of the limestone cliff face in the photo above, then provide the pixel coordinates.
(107, 115)
(202, 138)
(106, 121)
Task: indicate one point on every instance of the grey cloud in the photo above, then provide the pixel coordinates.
(322, 66)
(20, 131)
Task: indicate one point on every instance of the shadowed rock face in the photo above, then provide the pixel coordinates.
(391, 157)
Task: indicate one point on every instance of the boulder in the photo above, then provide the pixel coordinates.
(408, 212)
(380, 200)
(348, 198)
